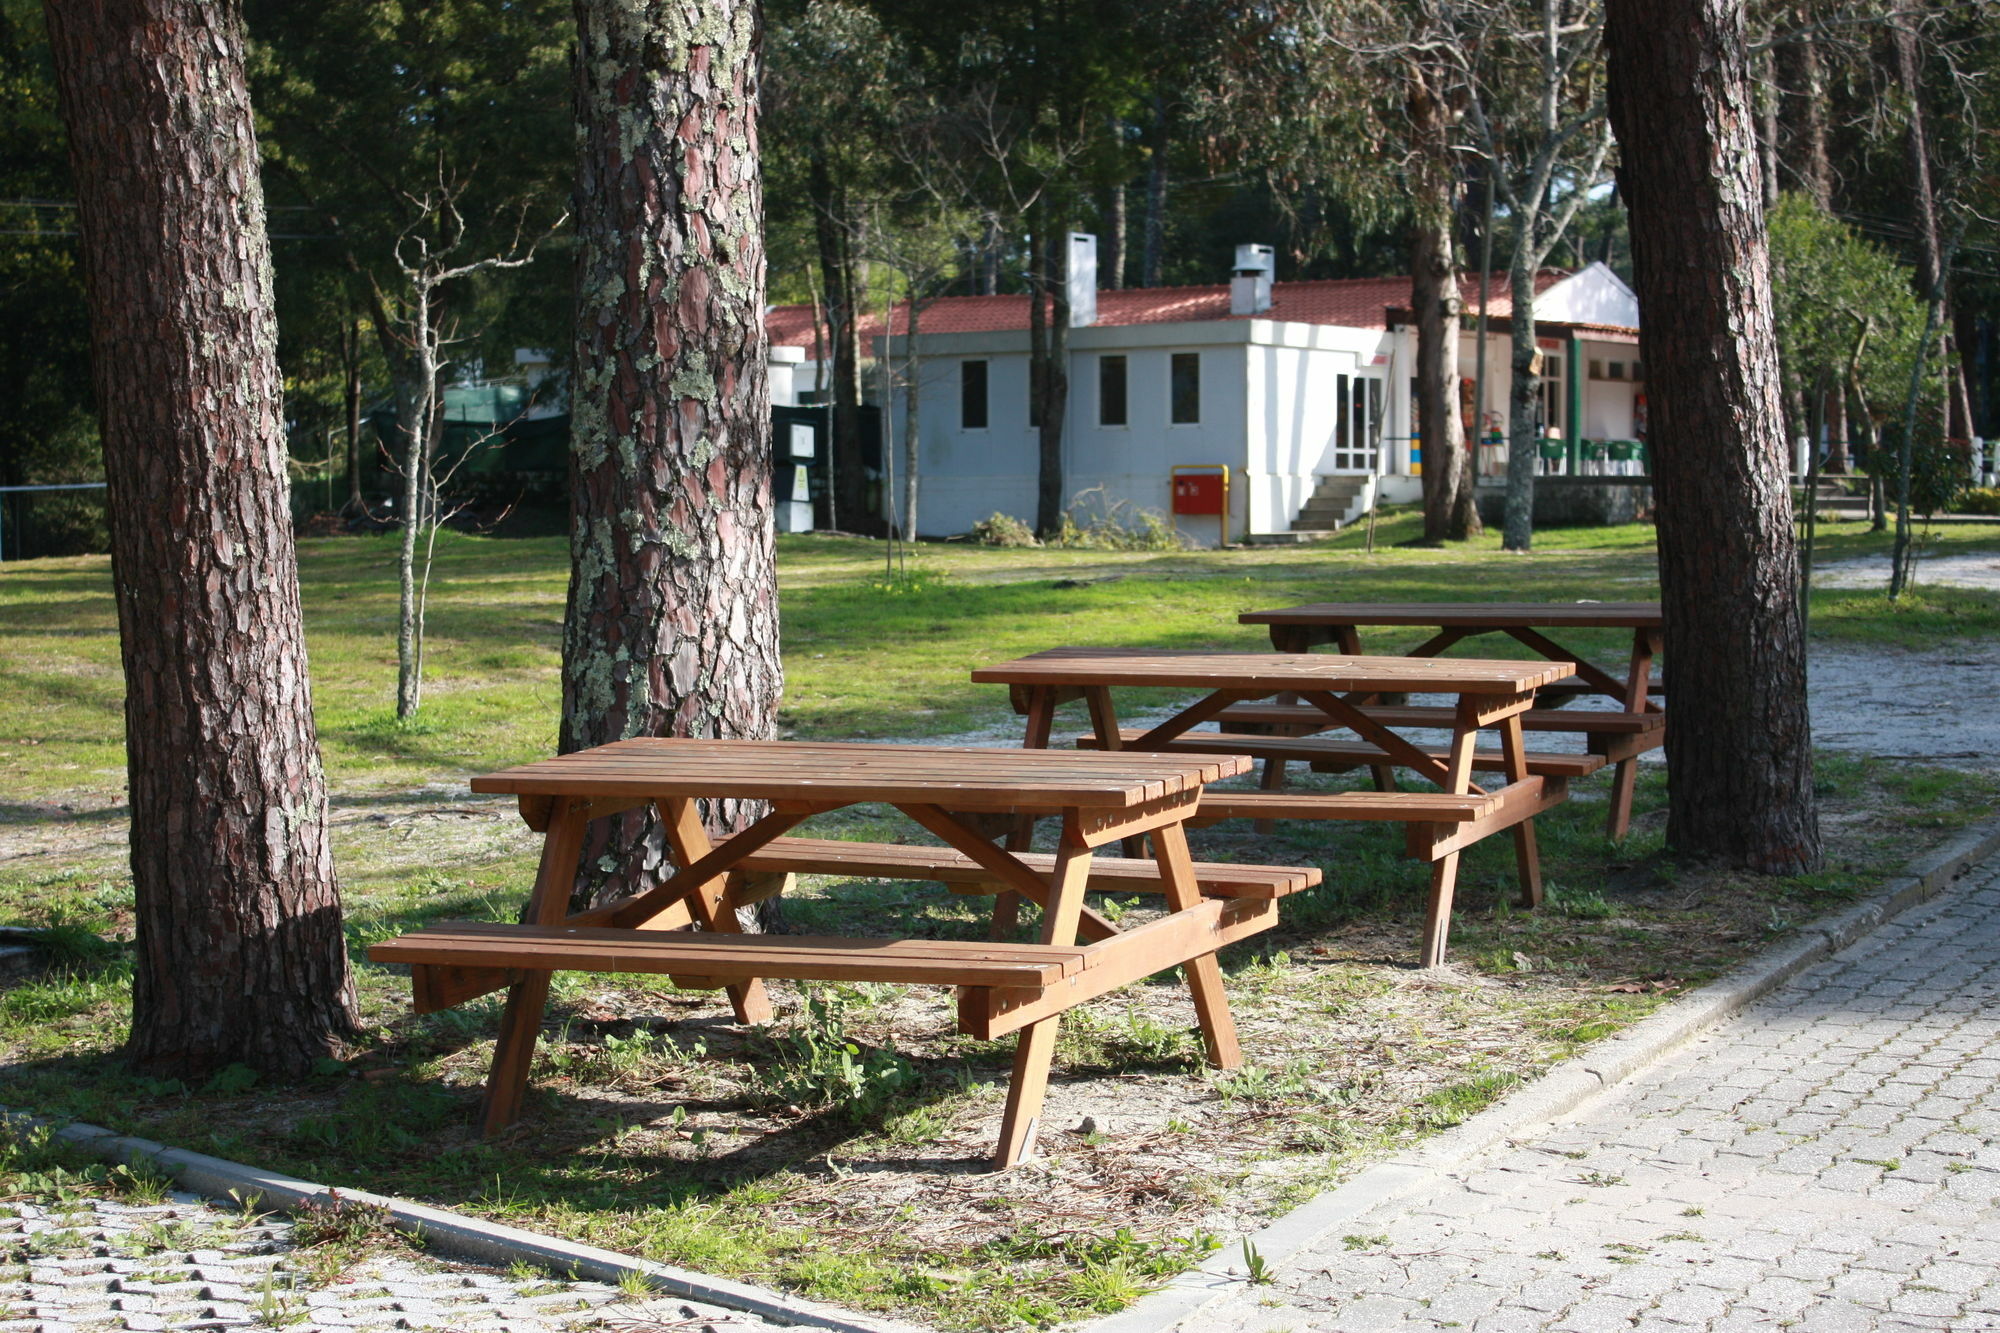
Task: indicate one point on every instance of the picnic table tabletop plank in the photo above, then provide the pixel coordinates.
(964, 777)
(1272, 672)
(1490, 615)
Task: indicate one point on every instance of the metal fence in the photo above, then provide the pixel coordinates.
(21, 528)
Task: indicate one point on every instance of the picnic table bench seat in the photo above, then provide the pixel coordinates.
(713, 959)
(945, 865)
(1588, 721)
(1002, 986)
(1329, 755)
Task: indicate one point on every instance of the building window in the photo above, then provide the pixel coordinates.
(1186, 389)
(1110, 390)
(1555, 395)
(972, 395)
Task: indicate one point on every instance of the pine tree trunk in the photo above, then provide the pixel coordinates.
(1805, 135)
(1051, 379)
(1113, 270)
(1524, 402)
(241, 956)
(672, 628)
(1739, 745)
(1435, 300)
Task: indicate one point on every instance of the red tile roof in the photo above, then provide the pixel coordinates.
(1355, 303)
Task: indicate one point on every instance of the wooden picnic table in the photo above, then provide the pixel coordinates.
(1003, 986)
(1438, 824)
(1620, 736)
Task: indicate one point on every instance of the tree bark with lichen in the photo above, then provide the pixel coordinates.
(672, 625)
(241, 956)
(1739, 752)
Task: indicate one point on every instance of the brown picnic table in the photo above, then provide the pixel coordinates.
(686, 927)
(1438, 824)
(1620, 735)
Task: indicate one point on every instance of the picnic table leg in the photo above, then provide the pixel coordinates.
(1041, 714)
(1271, 778)
(527, 1000)
(1527, 857)
(1021, 1123)
(1444, 871)
(1204, 974)
(1638, 689)
(1349, 639)
(1104, 724)
(690, 843)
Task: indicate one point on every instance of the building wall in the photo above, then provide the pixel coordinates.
(1268, 412)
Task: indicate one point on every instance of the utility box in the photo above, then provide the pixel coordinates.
(791, 476)
(1202, 490)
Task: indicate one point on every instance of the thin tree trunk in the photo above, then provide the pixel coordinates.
(1112, 274)
(1524, 400)
(832, 230)
(1469, 495)
(350, 361)
(1930, 242)
(1051, 380)
(1739, 754)
(240, 956)
(912, 417)
(672, 626)
(1153, 256)
(1435, 297)
(416, 432)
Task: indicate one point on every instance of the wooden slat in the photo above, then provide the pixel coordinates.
(1272, 672)
(1513, 803)
(1431, 807)
(965, 777)
(1585, 720)
(1118, 961)
(1465, 615)
(1357, 754)
(732, 957)
(944, 865)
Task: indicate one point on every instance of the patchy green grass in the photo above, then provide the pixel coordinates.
(865, 655)
(842, 1152)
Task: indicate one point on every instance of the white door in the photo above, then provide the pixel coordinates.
(1357, 424)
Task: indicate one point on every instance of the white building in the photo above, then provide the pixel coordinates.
(1302, 389)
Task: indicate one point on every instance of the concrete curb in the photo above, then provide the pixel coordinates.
(1558, 1093)
(472, 1238)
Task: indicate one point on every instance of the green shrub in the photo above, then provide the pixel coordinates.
(1004, 530)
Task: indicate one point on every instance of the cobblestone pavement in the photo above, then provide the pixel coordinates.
(186, 1265)
(1830, 1161)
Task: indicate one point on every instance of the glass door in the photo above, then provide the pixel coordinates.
(1357, 423)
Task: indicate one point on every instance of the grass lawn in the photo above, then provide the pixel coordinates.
(865, 656)
(841, 1152)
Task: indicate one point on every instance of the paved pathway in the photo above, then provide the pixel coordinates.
(187, 1265)
(1830, 1161)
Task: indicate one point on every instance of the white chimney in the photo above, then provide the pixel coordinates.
(1250, 287)
(1080, 275)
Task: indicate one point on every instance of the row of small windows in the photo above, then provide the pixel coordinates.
(1183, 392)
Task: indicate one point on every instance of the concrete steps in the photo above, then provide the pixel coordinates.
(1334, 503)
